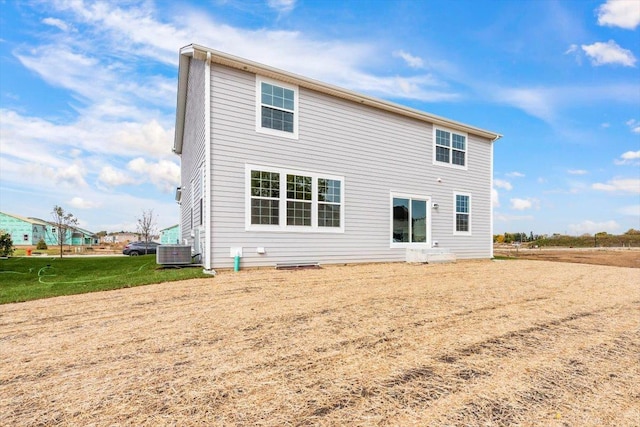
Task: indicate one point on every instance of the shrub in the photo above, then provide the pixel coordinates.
(6, 244)
(42, 245)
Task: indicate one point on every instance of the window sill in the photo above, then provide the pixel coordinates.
(294, 229)
(449, 165)
(278, 133)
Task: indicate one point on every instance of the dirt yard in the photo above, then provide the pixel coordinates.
(476, 343)
(619, 257)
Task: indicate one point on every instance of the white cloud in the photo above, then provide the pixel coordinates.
(165, 175)
(515, 174)
(112, 177)
(282, 6)
(412, 61)
(633, 210)
(534, 101)
(80, 203)
(605, 125)
(91, 133)
(573, 48)
(577, 172)
(546, 102)
(592, 227)
(58, 23)
(500, 183)
(136, 33)
(631, 185)
(619, 13)
(629, 158)
(508, 218)
(524, 204)
(495, 198)
(68, 175)
(634, 125)
(575, 51)
(609, 53)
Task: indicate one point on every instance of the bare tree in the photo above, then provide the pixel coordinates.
(64, 223)
(147, 227)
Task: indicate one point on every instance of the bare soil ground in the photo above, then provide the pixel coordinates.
(476, 343)
(619, 257)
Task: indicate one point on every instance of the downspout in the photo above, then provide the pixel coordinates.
(491, 198)
(207, 164)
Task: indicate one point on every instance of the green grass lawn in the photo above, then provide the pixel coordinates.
(29, 278)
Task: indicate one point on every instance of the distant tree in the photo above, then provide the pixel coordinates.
(64, 222)
(42, 245)
(6, 244)
(101, 233)
(498, 238)
(146, 227)
(632, 232)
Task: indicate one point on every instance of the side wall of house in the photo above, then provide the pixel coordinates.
(17, 229)
(377, 153)
(193, 151)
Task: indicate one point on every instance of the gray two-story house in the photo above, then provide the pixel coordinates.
(280, 168)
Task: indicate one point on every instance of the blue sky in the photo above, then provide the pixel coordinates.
(88, 93)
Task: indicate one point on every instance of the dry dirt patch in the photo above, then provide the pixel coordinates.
(472, 343)
(619, 257)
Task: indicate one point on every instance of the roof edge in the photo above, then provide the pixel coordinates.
(200, 52)
(181, 99)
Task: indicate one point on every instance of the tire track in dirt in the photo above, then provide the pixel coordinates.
(448, 373)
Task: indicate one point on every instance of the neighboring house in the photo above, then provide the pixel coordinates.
(28, 232)
(170, 235)
(121, 237)
(23, 231)
(285, 169)
(75, 235)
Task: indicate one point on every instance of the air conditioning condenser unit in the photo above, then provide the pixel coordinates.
(173, 255)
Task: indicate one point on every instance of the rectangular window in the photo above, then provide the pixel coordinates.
(265, 196)
(25, 237)
(462, 218)
(409, 220)
(298, 200)
(450, 148)
(276, 105)
(328, 202)
(309, 202)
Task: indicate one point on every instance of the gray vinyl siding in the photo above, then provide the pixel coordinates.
(193, 150)
(376, 152)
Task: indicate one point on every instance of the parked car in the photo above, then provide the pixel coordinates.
(140, 248)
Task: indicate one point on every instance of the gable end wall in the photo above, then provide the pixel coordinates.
(376, 152)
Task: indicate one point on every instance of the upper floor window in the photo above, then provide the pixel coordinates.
(285, 200)
(450, 148)
(276, 108)
(462, 219)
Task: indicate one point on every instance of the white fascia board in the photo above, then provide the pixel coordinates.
(181, 101)
(200, 52)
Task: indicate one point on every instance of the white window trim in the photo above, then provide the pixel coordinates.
(282, 220)
(393, 244)
(455, 213)
(450, 164)
(269, 131)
